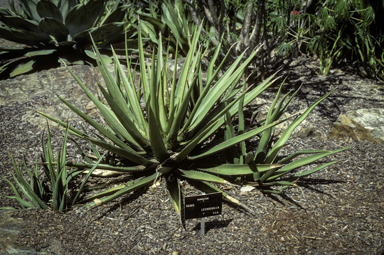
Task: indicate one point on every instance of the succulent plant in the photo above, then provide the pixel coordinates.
(172, 19)
(164, 126)
(50, 191)
(57, 31)
(246, 157)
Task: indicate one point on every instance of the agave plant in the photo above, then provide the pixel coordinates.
(246, 159)
(51, 191)
(59, 30)
(172, 19)
(169, 127)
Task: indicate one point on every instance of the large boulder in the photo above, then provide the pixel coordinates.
(362, 124)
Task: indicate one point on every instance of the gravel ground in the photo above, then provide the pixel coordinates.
(338, 210)
(4, 4)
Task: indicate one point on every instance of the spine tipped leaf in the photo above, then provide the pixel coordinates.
(179, 116)
(143, 73)
(128, 124)
(267, 135)
(47, 9)
(306, 173)
(238, 169)
(19, 23)
(173, 187)
(26, 188)
(155, 136)
(113, 88)
(201, 176)
(82, 16)
(235, 140)
(123, 152)
(72, 130)
(308, 160)
(66, 5)
(248, 97)
(29, 7)
(23, 203)
(298, 153)
(208, 128)
(287, 133)
(55, 28)
(108, 167)
(134, 186)
(131, 93)
(232, 74)
(125, 149)
(86, 178)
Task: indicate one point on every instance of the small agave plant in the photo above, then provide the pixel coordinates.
(170, 127)
(50, 191)
(247, 158)
(56, 30)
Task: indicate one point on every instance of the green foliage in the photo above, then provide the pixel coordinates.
(348, 32)
(51, 191)
(57, 31)
(179, 128)
(157, 139)
(247, 25)
(259, 166)
(172, 19)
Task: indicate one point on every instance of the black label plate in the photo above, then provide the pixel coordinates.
(202, 205)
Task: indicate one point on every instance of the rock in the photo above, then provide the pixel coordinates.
(41, 89)
(171, 64)
(362, 124)
(9, 229)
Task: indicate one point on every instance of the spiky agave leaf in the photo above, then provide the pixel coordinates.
(157, 126)
(266, 152)
(51, 188)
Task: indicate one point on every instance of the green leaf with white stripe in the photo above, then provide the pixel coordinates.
(201, 176)
(239, 169)
(287, 133)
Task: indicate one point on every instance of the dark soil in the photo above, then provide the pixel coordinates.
(338, 210)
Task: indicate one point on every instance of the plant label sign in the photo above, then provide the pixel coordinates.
(203, 205)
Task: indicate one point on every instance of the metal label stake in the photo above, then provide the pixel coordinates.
(202, 206)
(202, 227)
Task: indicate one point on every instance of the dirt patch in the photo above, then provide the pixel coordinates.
(336, 211)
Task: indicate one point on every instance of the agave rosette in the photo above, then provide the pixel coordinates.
(276, 172)
(50, 191)
(158, 137)
(166, 126)
(59, 29)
